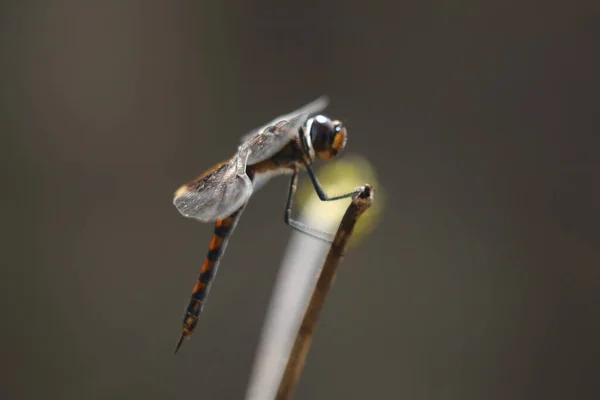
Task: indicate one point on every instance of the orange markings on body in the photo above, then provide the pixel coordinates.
(224, 223)
(199, 286)
(339, 141)
(206, 266)
(216, 243)
(268, 166)
(264, 166)
(325, 155)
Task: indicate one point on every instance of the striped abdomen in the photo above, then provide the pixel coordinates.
(223, 229)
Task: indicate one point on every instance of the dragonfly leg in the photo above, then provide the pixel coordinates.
(299, 226)
(321, 193)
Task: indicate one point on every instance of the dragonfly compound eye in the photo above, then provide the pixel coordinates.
(328, 137)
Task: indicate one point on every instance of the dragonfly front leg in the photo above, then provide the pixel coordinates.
(321, 193)
(299, 226)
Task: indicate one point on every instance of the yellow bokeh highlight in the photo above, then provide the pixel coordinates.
(338, 177)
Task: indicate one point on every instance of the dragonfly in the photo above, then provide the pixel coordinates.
(285, 146)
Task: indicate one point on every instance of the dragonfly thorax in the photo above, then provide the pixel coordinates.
(325, 138)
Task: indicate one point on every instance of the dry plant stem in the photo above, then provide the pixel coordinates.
(360, 203)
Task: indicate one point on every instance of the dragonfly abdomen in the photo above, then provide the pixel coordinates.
(223, 229)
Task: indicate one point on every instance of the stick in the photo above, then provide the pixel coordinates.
(360, 203)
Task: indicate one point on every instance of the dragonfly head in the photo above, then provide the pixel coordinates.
(327, 137)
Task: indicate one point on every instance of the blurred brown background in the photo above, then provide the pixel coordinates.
(483, 282)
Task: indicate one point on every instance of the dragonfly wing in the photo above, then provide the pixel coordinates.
(311, 108)
(217, 194)
(271, 140)
(268, 139)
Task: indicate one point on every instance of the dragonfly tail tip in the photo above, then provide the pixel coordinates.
(179, 344)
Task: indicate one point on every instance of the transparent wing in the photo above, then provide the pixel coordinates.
(272, 139)
(217, 193)
(268, 139)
